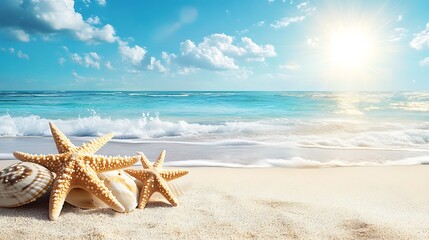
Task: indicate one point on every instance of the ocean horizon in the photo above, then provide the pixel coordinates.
(227, 128)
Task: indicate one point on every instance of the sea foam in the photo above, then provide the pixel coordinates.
(323, 133)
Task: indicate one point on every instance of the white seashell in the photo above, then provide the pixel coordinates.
(22, 183)
(118, 182)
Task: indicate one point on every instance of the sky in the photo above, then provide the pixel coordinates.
(178, 45)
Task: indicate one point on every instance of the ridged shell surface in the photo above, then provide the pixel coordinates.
(118, 182)
(22, 183)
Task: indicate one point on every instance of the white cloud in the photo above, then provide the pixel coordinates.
(217, 52)
(92, 60)
(399, 18)
(425, 62)
(306, 7)
(135, 54)
(76, 58)
(20, 35)
(47, 17)
(22, 55)
(399, 34)
(108, 65)
(313, 41)
(16, 52)
(93, 20)
(61, 61)
(255, 51)
(286, 21)
(205, 55)
(155, 65)
(101, 2)
(421, 39)
(260, 24)
(290, 66)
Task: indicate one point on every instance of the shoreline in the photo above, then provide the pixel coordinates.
(242, 203)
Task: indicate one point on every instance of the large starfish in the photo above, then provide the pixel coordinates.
(64, 145)
(155, 179)
(76, 167)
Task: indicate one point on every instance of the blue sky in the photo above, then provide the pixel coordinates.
(214, 45)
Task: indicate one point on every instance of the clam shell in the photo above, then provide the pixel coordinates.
(22, 183)
(118, 182)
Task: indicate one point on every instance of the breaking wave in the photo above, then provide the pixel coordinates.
(324, 133)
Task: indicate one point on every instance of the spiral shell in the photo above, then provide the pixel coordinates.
(118, 182)
(22, 183)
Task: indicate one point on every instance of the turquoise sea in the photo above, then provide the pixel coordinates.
(236, 129)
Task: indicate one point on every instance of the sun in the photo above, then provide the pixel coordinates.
(350, 49)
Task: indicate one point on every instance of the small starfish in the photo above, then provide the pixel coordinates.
(155, 179)
(75, 167)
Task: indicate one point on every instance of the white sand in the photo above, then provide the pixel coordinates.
(225, 203)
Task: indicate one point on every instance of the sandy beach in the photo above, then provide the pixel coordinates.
(257, 203)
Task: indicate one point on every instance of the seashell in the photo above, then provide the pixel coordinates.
(118, 182)
(22, 183)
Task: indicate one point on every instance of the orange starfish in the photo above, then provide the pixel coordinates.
(76, 167)
(155, 179)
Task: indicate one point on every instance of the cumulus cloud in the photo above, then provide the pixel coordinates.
(421, 39)
(93, 20)
(20, 35)
(135, 54)
(155, 65)
(219, 52)
(91, 59)
(49, 17)
(61, 61)
(206, 56)
(22, 55)
(76, 58)
(313, 41)
(108, 65)
(17, 53)
(101, 2)
(425, 62)
(286, 21)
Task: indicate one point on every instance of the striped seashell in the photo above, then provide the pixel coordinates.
(118, 182)
(22, 183)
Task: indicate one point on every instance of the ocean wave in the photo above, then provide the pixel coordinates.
(310, 133)
(298, 162)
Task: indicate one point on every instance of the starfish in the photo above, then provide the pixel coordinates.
(155, 179)
(76, 167)
(65, 146)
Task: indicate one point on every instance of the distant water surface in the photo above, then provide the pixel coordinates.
(256, 129)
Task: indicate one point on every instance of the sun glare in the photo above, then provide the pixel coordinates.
(350, 49)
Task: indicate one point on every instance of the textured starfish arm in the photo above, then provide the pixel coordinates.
(173, 174)
(50, 161)
(103, 163)
(166, 192)
(91, 183)
(146, 192)
(61, 141)
(93, 146)
(60, 189)
(160, 160)
(145, 162)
